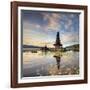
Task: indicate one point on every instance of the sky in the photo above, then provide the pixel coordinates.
(40, 27)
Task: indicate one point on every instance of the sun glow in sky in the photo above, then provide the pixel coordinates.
(40, 27)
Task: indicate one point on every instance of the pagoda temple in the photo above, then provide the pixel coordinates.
(58, 44)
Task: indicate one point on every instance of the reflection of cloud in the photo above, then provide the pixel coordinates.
(53, 21)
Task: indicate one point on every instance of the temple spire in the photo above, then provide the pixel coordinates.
(57, 39)
(57, 44)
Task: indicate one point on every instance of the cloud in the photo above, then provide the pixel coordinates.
(68, 24)
(70, 38)
(31, 29)
(30, 41)
(34, 33)
(72, 15)
(29, 25)
(52, 21)
(26, 40)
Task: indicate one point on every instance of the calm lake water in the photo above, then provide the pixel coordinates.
(50, 63)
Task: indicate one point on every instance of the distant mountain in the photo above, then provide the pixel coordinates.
(30, 46)
(73, 47)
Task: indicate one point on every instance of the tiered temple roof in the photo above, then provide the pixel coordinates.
(58, 42)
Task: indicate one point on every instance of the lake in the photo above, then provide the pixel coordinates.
(50, 63)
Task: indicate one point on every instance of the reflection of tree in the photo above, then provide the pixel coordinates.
(45, 50)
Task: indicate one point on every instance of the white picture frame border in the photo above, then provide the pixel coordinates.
(51, 78)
